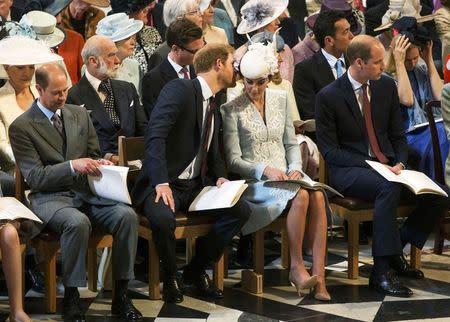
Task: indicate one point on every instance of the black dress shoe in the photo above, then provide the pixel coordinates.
(171, 291)
(388, 284)
(203, 283)
(401, 266)
(124, 309)
(72, 309)
(35, 280)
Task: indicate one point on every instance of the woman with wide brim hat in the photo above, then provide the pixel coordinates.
(262, 15)
(82, 16)
(148, 38)
(122, 31)
(18, 56)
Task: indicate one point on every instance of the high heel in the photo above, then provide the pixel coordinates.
(322, 297)
(308, 284)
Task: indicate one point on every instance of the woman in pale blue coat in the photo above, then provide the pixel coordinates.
(260, 145)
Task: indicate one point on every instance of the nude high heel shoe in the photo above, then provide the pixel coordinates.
(308, 284)
(322, 297)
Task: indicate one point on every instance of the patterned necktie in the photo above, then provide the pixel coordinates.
(369, 127)
(106, 88)
(58, 124)
(185, 73)
(338, 67)
(206, 134)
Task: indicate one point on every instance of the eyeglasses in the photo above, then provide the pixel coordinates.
(191, 51)
(195, 12)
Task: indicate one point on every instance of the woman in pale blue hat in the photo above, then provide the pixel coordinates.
(122, 31)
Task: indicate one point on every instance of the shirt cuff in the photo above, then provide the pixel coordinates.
(108, 156)
(162, 184)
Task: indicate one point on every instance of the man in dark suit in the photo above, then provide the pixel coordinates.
(181, 157)
(184, 38)
(358, 119)
(113, 105)
(55, 146)
(332, 32)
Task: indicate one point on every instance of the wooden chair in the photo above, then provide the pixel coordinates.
(355, 211)
(47, 246)
(441, 232)
(186, 226)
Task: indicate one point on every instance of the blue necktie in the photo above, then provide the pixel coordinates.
(338, 67)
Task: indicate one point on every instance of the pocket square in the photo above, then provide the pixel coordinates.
(131, 104)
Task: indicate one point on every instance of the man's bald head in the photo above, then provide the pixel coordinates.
(44, 72)
(100, 57)
(361, 47)
(51, 83)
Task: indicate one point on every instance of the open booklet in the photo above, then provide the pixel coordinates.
(12, 209)
(112, 184)
(416, 181)
(308, 183)
(212, 197)
(307, 125)
(420, 125)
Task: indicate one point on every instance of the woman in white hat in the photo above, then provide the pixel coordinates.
(122, 31)
(260, 145)
(212, 34)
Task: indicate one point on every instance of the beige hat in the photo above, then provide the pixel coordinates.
(99, 3)
(44, 25)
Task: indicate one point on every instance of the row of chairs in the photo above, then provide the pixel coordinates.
(188, 227)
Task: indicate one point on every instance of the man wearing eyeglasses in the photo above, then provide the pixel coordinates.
(184, 39)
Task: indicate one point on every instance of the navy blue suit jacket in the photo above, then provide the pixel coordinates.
(341, 131)
(173, 138)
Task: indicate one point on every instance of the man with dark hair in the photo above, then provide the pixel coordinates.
(184, 38)
(358, 119)
(332, 32)
(56, 147)
(181, 157)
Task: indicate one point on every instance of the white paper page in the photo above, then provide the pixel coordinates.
(14, 209)
(421, 180)
(112, 184)
(216, 198)
(385, 172)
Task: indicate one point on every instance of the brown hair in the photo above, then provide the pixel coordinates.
(361, 47)
(206, 57)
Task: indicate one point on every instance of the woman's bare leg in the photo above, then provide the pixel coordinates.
(317, 229)
(11, 262)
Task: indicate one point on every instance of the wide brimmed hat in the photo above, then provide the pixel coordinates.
(402, 8)
(53, 7)
(118, 26)
(337, 5)
(266, 37)
(260, 60)
(98, 3)
(128, 6)
(256, 14)
(22, 50)
(416, 34)
(44, 25)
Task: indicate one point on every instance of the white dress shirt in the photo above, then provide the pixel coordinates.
(178, 68)
(332, 62)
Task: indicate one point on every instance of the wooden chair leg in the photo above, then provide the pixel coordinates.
(439, 239)
(153, 272)
(284, 249)
(416, 260)
(258, 252)
(50, 279)
(226, 261)
(353, 249)
(92, 269)
(218, 273)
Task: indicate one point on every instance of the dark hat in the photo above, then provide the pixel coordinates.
(337, 5)
(416, 34)
(129, 6)
(52, 7)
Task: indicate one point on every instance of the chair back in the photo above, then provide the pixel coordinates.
(323, 170)
(130, 149)
(437, 156)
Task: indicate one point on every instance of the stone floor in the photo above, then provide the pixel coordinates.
(352, 300)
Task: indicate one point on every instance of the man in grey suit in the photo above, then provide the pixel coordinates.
(55, 146)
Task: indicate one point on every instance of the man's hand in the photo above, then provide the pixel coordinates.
(399, 48)
(164, 192)
(275, 174)
(105, 162)
(299, 129)
(294, 175)
(396, 168)
(114, 159)
(221, 181)
(88, 166)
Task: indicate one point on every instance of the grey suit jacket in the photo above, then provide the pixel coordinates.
(45, 164)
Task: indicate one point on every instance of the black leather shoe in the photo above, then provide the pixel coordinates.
(35, 280)
(171, 291)
(401, 266)
(72, 309)
(388, 284)
(203, 283)
(124, 309)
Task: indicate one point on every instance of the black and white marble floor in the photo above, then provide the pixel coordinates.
(352, 300)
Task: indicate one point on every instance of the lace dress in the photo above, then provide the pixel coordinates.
(252, 144)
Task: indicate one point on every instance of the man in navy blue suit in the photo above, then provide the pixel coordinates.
(181, 157)
(358, 119)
